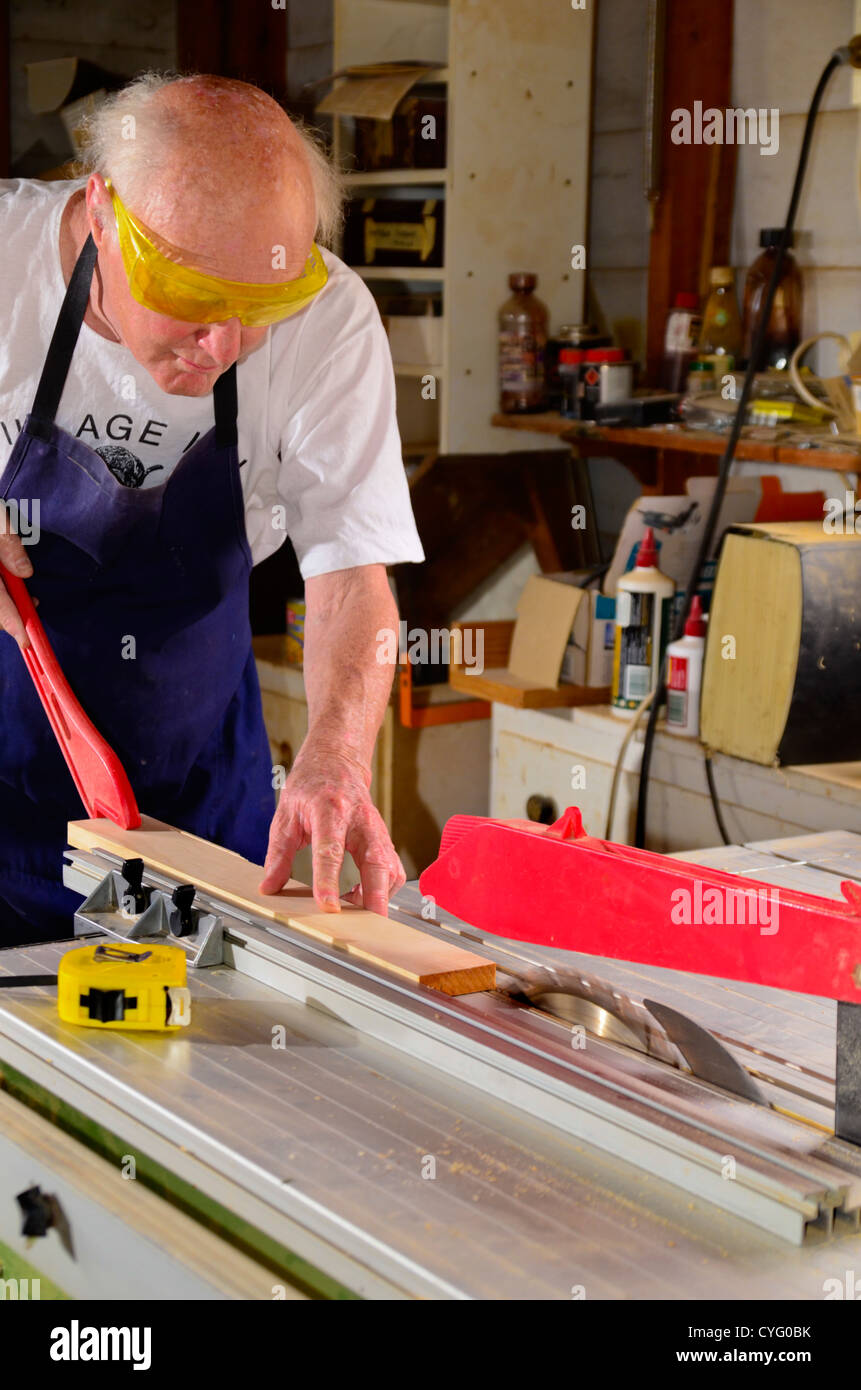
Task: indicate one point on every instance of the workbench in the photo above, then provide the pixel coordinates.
(661, 456)
(325, 1130)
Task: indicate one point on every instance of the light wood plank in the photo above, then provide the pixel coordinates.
(502, 685)
(406, 951)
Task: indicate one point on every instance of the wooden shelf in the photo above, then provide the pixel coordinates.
(400, 272)
(418, 369)
(383, 177)
(500, 685)
(671, 438)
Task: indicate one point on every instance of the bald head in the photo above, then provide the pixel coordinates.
(219, 171)
(226, 184)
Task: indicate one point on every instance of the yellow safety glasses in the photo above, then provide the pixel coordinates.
(180, 292)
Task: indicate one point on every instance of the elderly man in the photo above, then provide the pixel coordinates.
(185, 377)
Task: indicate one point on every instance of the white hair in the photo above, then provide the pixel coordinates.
(121, 139)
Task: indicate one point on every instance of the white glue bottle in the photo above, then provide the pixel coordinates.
(644, 599)
(684, 675)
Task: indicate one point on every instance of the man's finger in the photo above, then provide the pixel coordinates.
(380, 870)
(285, 842)
(13, 555)
(328, 833)
(10, 620)
(376, 880)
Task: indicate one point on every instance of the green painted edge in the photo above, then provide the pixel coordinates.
(14, 1266)
(291, 1268)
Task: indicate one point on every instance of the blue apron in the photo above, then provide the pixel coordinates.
(143, 594)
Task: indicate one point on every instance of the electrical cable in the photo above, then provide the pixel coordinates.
(617, 770)
(716, 806)
(837, 58)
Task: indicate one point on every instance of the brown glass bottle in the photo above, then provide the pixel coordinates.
(522, 340)
(784, 325)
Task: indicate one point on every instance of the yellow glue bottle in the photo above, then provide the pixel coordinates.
(644, 599)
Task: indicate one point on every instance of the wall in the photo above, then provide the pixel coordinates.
(310, 26)
(123, 39)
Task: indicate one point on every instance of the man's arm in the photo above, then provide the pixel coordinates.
(325, 801)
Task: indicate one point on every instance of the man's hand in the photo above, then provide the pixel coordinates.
(15, 559)
(325, 802)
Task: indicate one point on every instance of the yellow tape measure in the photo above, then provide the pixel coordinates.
(123, 985)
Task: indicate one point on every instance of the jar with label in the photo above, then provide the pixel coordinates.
(522, 342)
(701, 377)
(570, 335)
(680, 341)
(606, 375)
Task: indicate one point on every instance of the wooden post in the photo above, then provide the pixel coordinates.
(234, 40)
(693, 215)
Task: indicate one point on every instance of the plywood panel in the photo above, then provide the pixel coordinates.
(404, 950)
(520, 92)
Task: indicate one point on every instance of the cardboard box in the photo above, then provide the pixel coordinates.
(549, 610)
(588, 658)
(677, 523)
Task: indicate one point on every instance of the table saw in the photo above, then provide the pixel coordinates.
(329, 1128)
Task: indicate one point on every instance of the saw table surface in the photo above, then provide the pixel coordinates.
(415, 1183)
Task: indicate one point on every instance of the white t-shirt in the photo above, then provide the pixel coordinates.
(318, 438)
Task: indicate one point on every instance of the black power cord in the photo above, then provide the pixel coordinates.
(837, 58)
(716, 806)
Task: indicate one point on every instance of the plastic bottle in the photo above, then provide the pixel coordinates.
(721, 333)
(680, 341)
(685, 673)
(522, 340)
(784, 325)
(644, 600)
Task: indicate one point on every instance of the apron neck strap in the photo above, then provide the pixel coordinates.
(59, 358)
(69, 320)
(226, 405)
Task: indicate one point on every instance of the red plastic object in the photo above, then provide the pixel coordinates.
(99, 775)
(558, 886)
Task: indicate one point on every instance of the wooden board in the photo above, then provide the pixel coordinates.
(501, 684)
(404, 950)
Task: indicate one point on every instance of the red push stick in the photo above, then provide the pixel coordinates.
(558, 886)
(99, 775)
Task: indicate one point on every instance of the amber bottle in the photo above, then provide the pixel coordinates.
(784, 325)
(522, 340)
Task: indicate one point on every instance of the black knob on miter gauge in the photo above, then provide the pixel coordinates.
(182, 922)
(136, 899)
